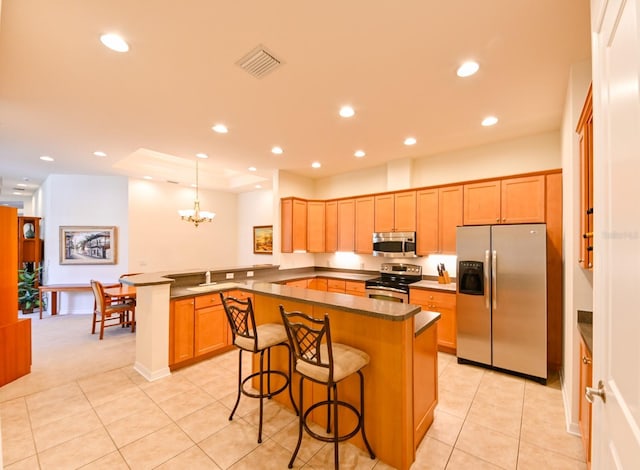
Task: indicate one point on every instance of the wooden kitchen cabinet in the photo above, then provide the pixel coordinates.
(29, 242)
(506, 201)
(585, 136)
(346, 225)
(318, 283)
(584, 416)
(356, 288)
(364, 225)
(181, 330)
(304, 283)
(316, 226)
(395, 212)
(293, 215)
(336, 285)
(439, 212)
(197, 327)
(331, 227)
(445, 304)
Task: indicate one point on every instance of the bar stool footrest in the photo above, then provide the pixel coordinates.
(340, 438)
(269, 393)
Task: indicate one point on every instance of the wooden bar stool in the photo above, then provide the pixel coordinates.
(247, 336)
(320, 360)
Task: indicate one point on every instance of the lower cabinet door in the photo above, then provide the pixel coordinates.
(210, 329)
(181, 330)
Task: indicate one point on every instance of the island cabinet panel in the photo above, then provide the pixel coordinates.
(355, 288)
(346, 225)
(445, 304)
(395, 212)
(425, 373)
(331, 227)
(293, 215)
(316, 226)
(210, 325)
(482, 203)
(523, 200)
(388, 379)
(181, 330)
(364, 225)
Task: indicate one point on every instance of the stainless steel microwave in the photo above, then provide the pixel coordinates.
(394, 244)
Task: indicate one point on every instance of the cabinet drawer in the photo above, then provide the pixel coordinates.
(432, 298)
(335, 285)
(354, 287)
(208, 300)
(299, 283)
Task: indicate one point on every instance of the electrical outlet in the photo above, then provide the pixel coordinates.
(249, 273)
(229, 275)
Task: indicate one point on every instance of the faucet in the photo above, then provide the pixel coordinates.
(207, 277)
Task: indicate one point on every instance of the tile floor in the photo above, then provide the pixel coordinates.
(113, 418)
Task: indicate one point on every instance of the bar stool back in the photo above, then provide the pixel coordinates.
(320, 360)
(247, 336)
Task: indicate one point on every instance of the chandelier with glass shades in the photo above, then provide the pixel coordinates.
(195, 215)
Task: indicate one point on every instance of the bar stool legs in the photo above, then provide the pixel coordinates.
(262, 393)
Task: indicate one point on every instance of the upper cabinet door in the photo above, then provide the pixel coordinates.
(405, 211)
(523, 200)
(482, 203)
(315, 226)
(364, 225)
(427, 221)
(293, 216)
(346, 225)
(449, 217)
(331, 226)
(384, 213)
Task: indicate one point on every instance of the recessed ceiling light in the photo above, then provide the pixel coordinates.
(316, 165)
(252, 168)
(467, 69)
(489, 121)
(359, 153)
(202, 155)
(410, 141)
(220, 129)
(258, 186)
(147, 177)
(347, 112)
(22, 185)
(277, 150)
(18, 193)
(114, 42)
(46, 158)
(98, 153)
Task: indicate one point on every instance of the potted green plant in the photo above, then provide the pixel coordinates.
(28, 294)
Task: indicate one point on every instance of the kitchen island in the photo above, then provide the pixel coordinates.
(400, 381)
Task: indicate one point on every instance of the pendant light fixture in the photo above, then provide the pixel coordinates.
(195, 215)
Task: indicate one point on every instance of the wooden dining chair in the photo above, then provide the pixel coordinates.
(109, 313)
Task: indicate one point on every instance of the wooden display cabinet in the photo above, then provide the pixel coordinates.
(29, 243)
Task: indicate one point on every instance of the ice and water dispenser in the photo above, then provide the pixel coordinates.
(471, 277)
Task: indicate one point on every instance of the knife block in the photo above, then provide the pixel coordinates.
(444, 279)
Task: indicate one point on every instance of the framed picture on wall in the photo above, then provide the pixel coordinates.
(263, 240)
(88, 245)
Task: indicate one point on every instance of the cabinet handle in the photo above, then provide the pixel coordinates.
(586, 360)
(587, 235)
(498, 219)
(580, 260)
(504, 220)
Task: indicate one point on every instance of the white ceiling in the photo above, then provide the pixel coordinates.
(65, 95)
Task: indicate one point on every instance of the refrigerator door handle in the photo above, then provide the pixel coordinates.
(494, 283)
(486, 279)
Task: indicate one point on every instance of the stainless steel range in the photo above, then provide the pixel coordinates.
(393, 283)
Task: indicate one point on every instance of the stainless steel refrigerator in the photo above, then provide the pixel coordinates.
(501, 297)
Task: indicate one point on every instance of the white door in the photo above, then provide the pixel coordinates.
(616, 277)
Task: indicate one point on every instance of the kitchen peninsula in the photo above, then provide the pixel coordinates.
(400, 381)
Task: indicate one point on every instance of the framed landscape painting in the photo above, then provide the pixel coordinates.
(88, 245)
(263, 240)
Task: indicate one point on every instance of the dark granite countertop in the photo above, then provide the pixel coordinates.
(585, 327)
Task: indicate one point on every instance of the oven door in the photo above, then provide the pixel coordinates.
(387, 293)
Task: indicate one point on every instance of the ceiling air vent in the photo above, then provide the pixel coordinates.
(259, 62)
